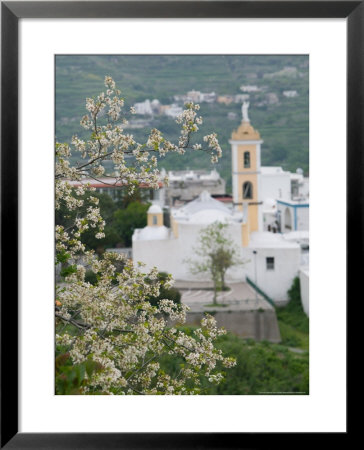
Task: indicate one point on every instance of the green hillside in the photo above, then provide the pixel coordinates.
(282, 122)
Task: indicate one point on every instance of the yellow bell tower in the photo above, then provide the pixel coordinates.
(245, 145)
(155, 216)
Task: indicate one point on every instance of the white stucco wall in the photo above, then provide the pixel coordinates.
(170, 255)
(305, 287)
(303, 219)
(275, 185)
(275, 283)
(157, 253)
(304, 188)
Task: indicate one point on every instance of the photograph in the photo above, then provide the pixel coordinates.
(181, 224)
(170, 173)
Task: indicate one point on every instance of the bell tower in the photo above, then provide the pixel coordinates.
(245, 145)
(155, 216)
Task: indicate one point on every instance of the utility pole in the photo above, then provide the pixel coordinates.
(255, 280)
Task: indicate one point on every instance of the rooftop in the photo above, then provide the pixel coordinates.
(272, 170)
(190, 175)
(298, 202)
(204, 210)
(266, 239)
(104, 183)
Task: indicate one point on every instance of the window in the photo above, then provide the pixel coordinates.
(270, 263)
(154, 220)
(246, 160)
(247, 190)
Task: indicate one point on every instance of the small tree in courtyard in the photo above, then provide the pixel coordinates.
(216, 254)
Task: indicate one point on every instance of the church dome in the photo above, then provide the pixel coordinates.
(202, 202)
(208, 216)
(205, 210)
(155, 209)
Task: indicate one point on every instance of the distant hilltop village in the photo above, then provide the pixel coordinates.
(262, 97)
(267, 217)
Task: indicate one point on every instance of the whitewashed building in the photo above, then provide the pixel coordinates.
(186, 185)
(293, 215)
(290, 94)
(271, 260)
(275, 183)
(272, 267)
(250, 88)
(173, 111)
(144, 108)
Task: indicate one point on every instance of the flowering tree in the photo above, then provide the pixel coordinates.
(109, 330)
(216, 254)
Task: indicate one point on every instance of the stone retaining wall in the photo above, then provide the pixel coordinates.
(256, 324)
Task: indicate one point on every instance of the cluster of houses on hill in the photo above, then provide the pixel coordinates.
(155, 107)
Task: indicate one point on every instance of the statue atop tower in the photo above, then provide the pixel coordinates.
(244, 111)
(245, 131)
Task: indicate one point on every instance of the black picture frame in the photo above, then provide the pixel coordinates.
(11, 12)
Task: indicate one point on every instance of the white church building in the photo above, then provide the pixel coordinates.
(272, 260)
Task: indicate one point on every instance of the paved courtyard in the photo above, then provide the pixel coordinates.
(240, 297)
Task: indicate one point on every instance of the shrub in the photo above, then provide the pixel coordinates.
(91, 277)
(164, 293)
(293, 314)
